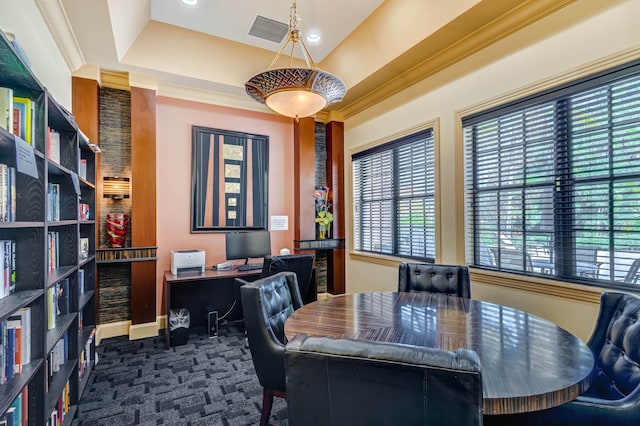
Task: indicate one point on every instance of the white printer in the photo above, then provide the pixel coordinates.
(187, 261)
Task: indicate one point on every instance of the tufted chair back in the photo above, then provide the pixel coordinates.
(266, 304)
(615, 344)
(354, 382)
(449, 279)
(614, 395)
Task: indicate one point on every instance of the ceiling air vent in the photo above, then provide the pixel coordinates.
(268, 29)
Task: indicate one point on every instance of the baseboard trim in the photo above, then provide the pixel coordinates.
(125, 328)
(141, 331)
(112, 329)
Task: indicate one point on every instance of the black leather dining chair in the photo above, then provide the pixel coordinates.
(614, 395)
(266, 305)
(450, 279)
(302, 265)
(357, 383)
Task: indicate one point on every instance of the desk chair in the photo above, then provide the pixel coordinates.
(614, 395)
(266, 304)
(450, 279)
(357, 383)
(302, 265)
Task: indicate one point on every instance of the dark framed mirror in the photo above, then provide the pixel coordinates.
(229, 180)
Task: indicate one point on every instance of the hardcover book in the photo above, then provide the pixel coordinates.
(54, 145)
(26, 107)
(6, 108)
(84, 248)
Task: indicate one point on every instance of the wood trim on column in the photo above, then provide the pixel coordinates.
(304, 171)
(143, 211)
(85, 101)
(335, 181)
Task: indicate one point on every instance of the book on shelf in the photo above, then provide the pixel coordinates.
(82, 167)
(3, 351)
(84, 247)
(7, 267)
(18, 48)
(7, 193)
(4, 193)
(10, 351)
(52, 248)
(6, 108)
(17, 121)
(62, 298)
(80, 282)
(57, 357)
(14, 324)
(23, 317)
(54, 145)
(53, 194)
(26, 108)
(83, 212)
(51, 307)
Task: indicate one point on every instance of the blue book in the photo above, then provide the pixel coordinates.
(10, 353)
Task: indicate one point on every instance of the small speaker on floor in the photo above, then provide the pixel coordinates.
(212, 322)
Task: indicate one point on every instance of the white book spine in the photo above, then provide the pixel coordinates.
(6, 109)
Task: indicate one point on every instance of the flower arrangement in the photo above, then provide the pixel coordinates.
(323, 215)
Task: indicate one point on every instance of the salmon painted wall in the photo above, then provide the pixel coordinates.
(173, 164)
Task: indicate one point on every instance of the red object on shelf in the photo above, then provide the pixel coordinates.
(117, 228)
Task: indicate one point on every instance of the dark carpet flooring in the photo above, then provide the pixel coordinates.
(205, 382)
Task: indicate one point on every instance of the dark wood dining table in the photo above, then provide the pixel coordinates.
(528, 363)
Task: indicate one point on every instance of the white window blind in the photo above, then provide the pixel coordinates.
(393, 195)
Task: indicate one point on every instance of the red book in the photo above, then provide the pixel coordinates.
(17, 124)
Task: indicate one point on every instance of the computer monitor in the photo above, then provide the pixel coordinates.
(246, 244)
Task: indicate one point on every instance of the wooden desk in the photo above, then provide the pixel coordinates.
(528, 363)
(195, 291)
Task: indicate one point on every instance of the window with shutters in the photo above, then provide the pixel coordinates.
(393, 197)
(553, 182)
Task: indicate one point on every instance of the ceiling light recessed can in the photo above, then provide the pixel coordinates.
(190, 2)
(313, 37)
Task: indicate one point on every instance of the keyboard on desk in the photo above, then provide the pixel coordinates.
(250, 267)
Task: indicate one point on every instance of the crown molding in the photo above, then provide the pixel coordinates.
(57, 21)
(394, 82)
(115, 80)
(210, 97)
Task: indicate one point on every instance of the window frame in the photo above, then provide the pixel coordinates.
(566, 267)
(385, 144)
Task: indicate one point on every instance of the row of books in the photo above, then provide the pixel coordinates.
(56, 418)
(57, 301)
(56, 358)
(15, 344)
(52, 250)
(7, 193)
(17, 115)
(7, 267)
(18, 412)
(53, 195)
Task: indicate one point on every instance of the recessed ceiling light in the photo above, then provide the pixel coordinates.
(190, 2)
(313, 37)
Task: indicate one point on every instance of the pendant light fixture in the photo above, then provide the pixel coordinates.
(295, 91)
